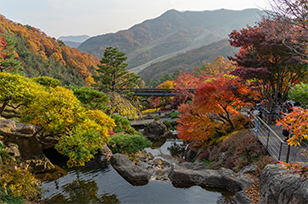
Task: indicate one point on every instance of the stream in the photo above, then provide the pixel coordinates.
(98, 182)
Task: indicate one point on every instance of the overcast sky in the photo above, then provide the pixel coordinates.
(95, 17)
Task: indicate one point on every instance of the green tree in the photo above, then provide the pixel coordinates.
(112, 74)
(8, 61)
(299, 93)
(90, 98)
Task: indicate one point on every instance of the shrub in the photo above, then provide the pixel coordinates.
(174, 115)
(157, 118)
(261, 164)
(122, 124)
(128, 143)
(240, 149)
(170, 124)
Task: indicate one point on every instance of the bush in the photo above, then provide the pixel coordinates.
(261, 164)
(170, 124)
(174, 115)
(123, 124)
(128, 143)
(240, 149)
(157, 118)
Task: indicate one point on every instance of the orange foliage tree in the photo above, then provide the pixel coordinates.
(297, 123)
(222, 95)
(216, 99)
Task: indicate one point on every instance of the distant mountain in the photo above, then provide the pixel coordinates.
(188, 61)
(78, 38)
(42, 55)
(170, 34)
(73, 41)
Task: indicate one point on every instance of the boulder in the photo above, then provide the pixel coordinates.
(132, 173)
(277, 185)
(156, 130)
(13, 150)
(192, 151)
(222, 178)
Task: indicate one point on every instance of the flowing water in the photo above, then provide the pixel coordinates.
(98, 182)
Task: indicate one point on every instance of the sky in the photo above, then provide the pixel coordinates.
(96, 17)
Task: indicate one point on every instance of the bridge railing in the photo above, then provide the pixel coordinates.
(275, 145)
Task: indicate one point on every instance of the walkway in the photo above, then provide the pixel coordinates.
(272, 139)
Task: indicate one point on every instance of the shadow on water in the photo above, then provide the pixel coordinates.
(98, 182)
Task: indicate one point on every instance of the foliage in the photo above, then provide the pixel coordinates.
(19, 184)
(262, 50)
(156, 118)
(45, 56)
(16, 91)
(222, 96)
(122, 124)
(297, 123)
(170, 124)
(174, 115)
(153, 110)
(262, 162)
(112, 74)
(219, 65)
(8, 55)
(293, 13)
(299, 93)
(128, 143)
(90, 98)
(47, 81)
(58, 113)
(118, 104)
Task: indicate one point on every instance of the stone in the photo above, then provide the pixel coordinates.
(7, 125)
(241, 198)
(222, 178)
(13, 150)
(191, 151)
(156, 130)
(277, 185)
(25, 128)
(132, 173)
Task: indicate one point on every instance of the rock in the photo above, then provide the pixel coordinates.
(13, 150)
(192, 151)
(278, 186)
(39, 164)
(222, 178)
(248, 169)
(7, 125)
(241, 198)
(135, 175)
(156, 130)
(25, 128)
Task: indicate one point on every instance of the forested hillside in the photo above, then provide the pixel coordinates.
(170, 34)
(188, 61)
(45, 56)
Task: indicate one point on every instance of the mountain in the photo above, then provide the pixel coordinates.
(170, 34)
(186, 62)
(73, 41)
(42, 55)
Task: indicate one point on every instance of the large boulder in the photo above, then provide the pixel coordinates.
(132, 173)
(156, 130)
(277, 185)
(222, 178)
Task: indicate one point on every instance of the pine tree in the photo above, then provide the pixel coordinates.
(112, 74)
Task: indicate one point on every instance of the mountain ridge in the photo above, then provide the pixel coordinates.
(172, 33)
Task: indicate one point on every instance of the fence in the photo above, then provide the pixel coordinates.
(274, 144)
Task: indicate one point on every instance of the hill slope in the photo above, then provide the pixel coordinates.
(45, 56)
(170, 34)
(188, 61)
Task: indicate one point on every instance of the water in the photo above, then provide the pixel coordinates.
(98, 182)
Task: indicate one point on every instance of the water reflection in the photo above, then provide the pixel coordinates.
(98, 182)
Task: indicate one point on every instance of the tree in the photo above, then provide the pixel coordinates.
(297, 123)
(261, 51)
(222, 95)
(112, 74)
(57, 113)
(299, 93)
(294, 14)
(8, 61)
(91, 99)
(219, 65)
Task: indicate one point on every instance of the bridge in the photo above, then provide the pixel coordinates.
(272, 139)
(156, 92)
